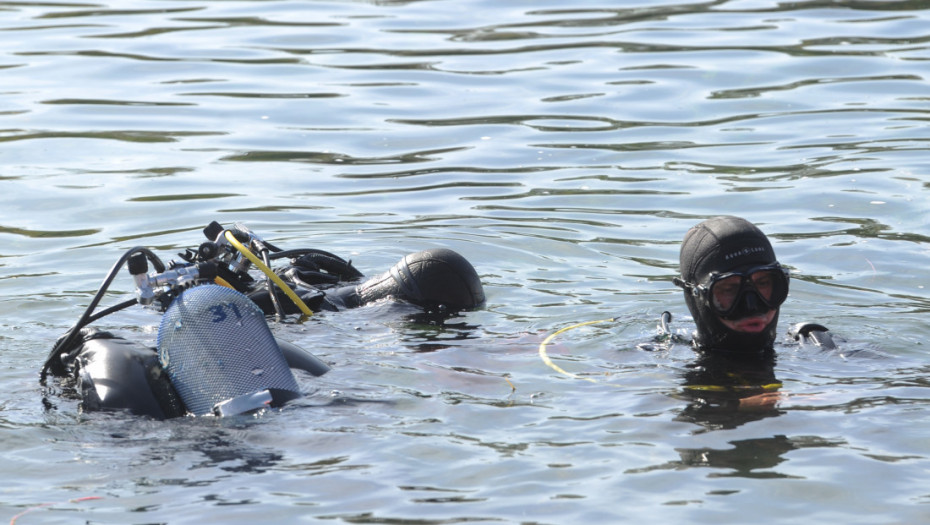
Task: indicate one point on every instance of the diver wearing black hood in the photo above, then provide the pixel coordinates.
(733, 286)
(215, 353)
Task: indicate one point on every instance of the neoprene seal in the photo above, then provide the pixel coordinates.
(724, 247)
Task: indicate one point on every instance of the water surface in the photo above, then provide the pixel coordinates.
(564, 150)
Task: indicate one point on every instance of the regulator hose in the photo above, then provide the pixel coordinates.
(545, 357)
(291, 294)
(53, 362)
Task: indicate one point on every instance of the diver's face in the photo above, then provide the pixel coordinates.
(752, 324)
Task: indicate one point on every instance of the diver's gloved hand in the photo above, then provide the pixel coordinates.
(812, 333)
(438, 280)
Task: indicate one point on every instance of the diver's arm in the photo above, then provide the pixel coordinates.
(760, 402)
(297, 357)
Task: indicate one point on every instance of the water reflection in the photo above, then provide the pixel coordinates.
(230, 455)
(724, 392)
(430, 331)
(565, 148)
(749, 458)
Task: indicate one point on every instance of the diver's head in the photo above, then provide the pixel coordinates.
(438, 280)
(733, 285)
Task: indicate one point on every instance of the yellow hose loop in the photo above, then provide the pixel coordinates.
(769, 387)
(268, 271)
(547, 340)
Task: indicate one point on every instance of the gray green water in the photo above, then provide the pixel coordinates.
(564, 148)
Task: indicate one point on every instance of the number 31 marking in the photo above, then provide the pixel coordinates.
(219, 312)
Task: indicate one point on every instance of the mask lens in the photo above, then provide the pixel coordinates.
(727, 291)
(764, 281)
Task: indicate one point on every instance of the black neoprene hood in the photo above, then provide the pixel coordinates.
(724, 244)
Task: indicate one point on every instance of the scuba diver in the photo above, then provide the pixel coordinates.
(734, 288)
(215, 353)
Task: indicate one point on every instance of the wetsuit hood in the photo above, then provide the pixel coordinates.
(719, 245)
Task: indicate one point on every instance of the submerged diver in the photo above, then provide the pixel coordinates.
(215, 353)
(734, 287)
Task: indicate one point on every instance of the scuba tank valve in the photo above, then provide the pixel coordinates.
(147, 284)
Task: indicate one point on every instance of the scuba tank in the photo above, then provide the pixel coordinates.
(216, 348)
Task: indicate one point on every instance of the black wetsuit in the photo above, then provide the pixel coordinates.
(110, 372)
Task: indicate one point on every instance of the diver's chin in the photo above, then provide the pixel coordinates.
(752, 324)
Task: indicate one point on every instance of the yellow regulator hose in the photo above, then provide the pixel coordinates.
(547, 340)
(269, 272)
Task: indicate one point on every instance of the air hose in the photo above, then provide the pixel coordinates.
(545, 357)
(291, 294)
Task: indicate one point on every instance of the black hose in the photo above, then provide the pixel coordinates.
(115, 308)
(279, 311)
(53, 362)
(297, 252)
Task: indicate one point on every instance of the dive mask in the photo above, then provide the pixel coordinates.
(735, 295)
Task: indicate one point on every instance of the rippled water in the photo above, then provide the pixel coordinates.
(564, 148)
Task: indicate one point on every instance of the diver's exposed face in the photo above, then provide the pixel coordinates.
(752, 324)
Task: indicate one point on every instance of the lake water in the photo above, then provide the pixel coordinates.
(564, 148)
